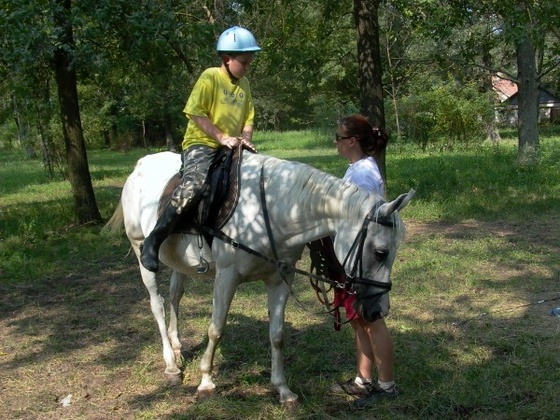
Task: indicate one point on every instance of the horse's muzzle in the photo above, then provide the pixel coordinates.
(372, 308)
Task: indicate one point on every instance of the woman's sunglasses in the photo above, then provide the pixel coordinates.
(339, 137)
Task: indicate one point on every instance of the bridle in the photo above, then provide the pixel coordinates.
(357, 250)
(356, 272)
(325, 262)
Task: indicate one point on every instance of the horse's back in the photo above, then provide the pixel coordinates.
(142, 191)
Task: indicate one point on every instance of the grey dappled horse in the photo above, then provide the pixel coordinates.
(304, 204)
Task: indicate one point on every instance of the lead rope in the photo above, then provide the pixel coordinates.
(325, 263)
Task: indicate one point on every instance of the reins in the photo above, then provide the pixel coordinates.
(281, 266)
(284, 268)
(275, 254)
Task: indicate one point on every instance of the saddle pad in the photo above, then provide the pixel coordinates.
(227, 206)
(189, 221)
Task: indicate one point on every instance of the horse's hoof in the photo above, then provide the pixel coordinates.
(289, 400)
(174, 379)
(291, 406)
(203, 394)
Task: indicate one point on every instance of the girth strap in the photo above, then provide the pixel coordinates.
(281, 265)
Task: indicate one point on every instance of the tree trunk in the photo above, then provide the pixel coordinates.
(76, 156)
(47, 149)
(51, 158)
(23, 130)
(366, 17)
(528, 104)
(168, 132)
(492, 132)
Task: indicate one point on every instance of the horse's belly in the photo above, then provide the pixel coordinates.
(186, 254)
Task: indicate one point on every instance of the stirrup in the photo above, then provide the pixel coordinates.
(203, 266)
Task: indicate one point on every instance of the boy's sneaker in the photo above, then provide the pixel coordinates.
(376, 394)
(350, 387)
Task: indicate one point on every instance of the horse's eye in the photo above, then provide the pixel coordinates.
(381, 254)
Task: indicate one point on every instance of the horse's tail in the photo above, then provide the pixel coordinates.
(116, 222)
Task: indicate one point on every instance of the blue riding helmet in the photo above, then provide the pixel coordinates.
(237, 39)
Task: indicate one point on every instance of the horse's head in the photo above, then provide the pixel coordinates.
(370, 259)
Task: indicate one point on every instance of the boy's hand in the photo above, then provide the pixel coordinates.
(248, 144)
(233, 142)
(229, 142)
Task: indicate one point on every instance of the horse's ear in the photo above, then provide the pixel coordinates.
(397, 204)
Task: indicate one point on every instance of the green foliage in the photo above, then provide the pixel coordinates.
(448, 115)
(308, 64)
(8, 136)
(137, 63)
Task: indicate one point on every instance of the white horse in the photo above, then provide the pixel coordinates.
(302, 204)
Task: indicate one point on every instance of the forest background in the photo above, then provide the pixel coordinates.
(115, 74)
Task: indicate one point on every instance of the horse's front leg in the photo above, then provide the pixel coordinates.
(176, 290)
(157, 304)
(224, 289)
(278, 293)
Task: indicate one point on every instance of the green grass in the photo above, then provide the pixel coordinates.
(471, 339)
(482, 183)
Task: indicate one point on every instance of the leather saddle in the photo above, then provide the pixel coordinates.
(219, 197)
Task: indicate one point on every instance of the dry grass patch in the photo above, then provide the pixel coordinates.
(91, 334)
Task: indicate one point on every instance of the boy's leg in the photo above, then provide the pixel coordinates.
(197, 161)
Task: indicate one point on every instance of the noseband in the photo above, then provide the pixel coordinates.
(357, 249)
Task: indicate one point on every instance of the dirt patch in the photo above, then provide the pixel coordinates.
(532, 231)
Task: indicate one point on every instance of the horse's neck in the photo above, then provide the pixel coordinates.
(341, 210)
(306, 204)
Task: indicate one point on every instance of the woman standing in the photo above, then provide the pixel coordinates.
(357, 141)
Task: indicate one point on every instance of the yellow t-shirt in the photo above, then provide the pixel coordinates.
(228, 105)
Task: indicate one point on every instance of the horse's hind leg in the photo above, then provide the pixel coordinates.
(157, 303)
(176, 290)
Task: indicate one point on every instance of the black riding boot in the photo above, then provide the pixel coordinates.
(150, 247)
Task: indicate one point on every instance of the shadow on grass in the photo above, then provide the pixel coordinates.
(83, 304)
(479, 369)
(40, 240)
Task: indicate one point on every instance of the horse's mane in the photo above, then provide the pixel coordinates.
(327, 193)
